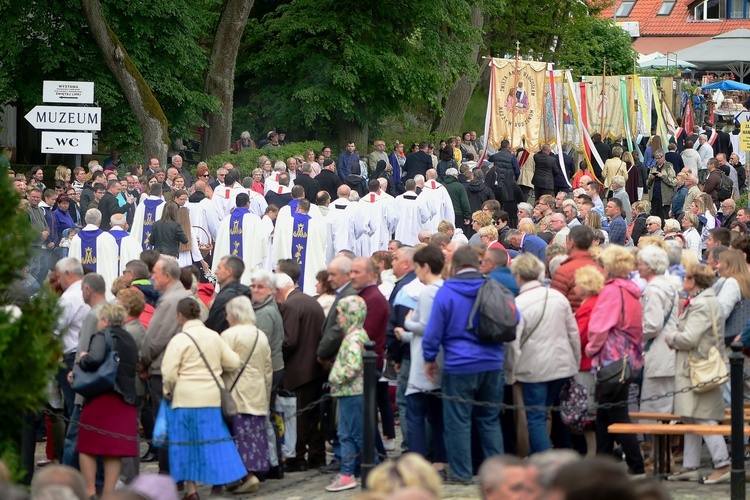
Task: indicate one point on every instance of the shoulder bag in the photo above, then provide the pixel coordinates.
(711, 371)
(228, 406)
(736, 321)
(90, 384)
(613, 379)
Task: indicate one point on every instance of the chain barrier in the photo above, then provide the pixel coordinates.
(438, 394)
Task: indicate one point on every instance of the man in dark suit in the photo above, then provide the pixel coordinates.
(544, 173)
(327, 178)
(723, 141)
(417, 163)
(282, 195)
(109, 205)
(605, 152)
(310, 185)
(331, 334)
(303, 321)
(228, 275)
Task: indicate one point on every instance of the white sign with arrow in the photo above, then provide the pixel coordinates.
(73, 143)
(69, 92)
(65, 118)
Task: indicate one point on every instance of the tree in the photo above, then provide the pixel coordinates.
(584, 48)
(29, 350)
(339, 67)
(220, 74)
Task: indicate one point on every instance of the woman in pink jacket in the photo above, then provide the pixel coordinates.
(616, 329)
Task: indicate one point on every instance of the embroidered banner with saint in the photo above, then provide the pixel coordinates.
(604, 100)
(299, 243)
(88, 248)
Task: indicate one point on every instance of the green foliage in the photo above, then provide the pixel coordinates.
(353, 61)
(247, 160)
(476, 111)
(49, 40)
(29, 350)
(584, 48)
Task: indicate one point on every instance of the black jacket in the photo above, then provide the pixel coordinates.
(109, 206)
(397, 350)
(310, 185)
(357, 183)
(167, 236)
(478, 193)
(544, 168)
(329, 182)
(217, 319)
(280, 200)
(416, 163)
(126, 348)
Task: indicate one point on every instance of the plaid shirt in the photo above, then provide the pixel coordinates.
(617, 231)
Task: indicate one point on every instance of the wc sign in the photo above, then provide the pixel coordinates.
(68, 124)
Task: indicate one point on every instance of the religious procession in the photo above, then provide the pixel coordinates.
(553, 307)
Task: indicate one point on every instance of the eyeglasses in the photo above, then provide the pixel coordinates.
(204, 175)
(688, 277)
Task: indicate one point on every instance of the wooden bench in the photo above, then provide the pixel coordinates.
(669, 417)
(662, 431)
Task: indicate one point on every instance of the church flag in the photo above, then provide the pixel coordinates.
(299, 243)
(603, 101)
(149, 217)
(88, 248)
(237, 217)
(517, 97)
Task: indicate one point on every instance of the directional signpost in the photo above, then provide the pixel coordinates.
(65, 118)
(73, 119)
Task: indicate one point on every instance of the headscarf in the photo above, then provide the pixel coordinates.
(353, 309)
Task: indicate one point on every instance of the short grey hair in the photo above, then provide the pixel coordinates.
(619, 180)
(245, 135)
(654, 258)
(655, 219)
(170, 267)
(528, 267)
(571, 204)
(526, 208)
(279, 166)
(264, 276)
(240, 309)
(452, 172)
(93, 216)
(283, 281)
(672, 225)
(341, 263)
(674, 252)
(118, 220)
(419, 178)
(71, 265)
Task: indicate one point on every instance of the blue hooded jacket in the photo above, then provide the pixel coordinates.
(463, 353)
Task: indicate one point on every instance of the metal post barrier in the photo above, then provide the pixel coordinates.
(369, 418)
(736, 360)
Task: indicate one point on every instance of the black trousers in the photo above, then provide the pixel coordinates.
(605, 441)
(310, 440)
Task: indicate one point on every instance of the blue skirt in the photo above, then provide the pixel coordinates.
(208, 463)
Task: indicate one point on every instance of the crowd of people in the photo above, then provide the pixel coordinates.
(275, 281)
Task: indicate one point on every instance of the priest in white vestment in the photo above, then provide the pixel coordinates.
(377, 207)
(438, 196)
(203, 214)
(409, 215)
(129, 247)
(304, 239)
(242, 234)
(96, 249)
(146, 213)
(287, 211)
(346, 222)
(225, 196)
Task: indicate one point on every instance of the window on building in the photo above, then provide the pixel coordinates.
(739, 9)
(666, 8)
(708, 10)
(625, 7)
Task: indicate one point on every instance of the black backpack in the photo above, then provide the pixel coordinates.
(725, 189)
(498, 317)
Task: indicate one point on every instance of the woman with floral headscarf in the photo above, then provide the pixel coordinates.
(346, 385)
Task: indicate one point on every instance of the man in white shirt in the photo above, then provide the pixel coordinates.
(73, 310)
(704, 150)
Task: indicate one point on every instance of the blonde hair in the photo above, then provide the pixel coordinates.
(490, 231)
(594, 220)
(590, 280)
(120, 283)
(617, 261)
(527, 267)
(115, 314)
(445, 226)
(645, 241)
(596, 253)
(733, 265)
(482, 218)
(61, 172)
(410, 470)
(688, 259)
(527, 227)
(671, 226)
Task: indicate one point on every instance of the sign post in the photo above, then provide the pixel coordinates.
(745, 136)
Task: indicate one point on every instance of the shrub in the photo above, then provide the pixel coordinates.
(247, 160)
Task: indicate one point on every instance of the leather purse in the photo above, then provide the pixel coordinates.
(90, 384)
(613, 379)
(711, 371)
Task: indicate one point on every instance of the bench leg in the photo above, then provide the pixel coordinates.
(657, 455)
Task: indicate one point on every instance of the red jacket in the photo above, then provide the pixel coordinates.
(583, 315)
(565, 278)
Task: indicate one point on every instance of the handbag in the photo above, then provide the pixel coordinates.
(90, 384)
(736, 321)
(613, 379)
(228, 406)
(711, 371)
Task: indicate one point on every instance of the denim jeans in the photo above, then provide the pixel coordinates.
(62, 380)
(422, 408)
(70, 455)
(540, 394)
(350, 432)
(403, 381)
(457, 417)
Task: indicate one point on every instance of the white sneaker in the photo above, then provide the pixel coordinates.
(389, 444)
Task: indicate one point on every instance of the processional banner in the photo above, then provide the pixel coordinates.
(604, 104)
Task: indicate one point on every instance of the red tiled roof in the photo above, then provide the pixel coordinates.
(679, 22)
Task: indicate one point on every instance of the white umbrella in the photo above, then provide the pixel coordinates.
(666, 62)
(729, 50)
